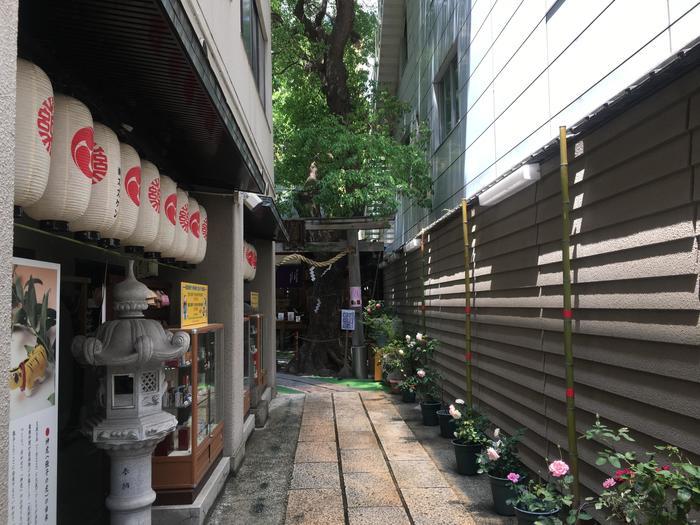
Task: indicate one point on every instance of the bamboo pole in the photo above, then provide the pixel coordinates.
(567, 314)
(468, 302)
(424, 278)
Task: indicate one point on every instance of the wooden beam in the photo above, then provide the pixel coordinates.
(352, 223)
(365, 246)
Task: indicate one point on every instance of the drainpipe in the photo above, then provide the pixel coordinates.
(568, 314)
(468, 302)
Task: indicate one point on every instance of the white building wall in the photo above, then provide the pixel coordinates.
(219, 23)
(524, 70)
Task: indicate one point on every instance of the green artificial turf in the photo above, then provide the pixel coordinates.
(286, 390)
(360, 384)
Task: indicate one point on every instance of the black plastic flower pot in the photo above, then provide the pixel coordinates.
(447, 424)
(429, 412)
(408, 397)
(466, 456)
(526, 517)
(502, 491)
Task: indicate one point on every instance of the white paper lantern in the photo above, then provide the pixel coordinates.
(182, 228)
(193, 236)
(67, 193)
(149, 207)
(203, 233)
(129, 195)
(250, 261)
(166, 219)
(104, 194)
(33, 133)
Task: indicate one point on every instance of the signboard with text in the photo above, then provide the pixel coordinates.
(33, 383)
(347, 320)
(194, 304)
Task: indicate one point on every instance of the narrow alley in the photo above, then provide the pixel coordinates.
(350, 458)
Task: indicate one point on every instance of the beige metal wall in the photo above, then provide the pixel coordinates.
(635, 192)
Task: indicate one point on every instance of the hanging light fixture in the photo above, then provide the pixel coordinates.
(67, 192)
(182, 227)
(193, 234)
(104, 193)
(203, 233)
(250, 261)
(149, 209)
(128, 197)
(510, 185)
(166, 219)
(33, 134)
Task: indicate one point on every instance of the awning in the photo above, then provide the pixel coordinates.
(264, 221)
(141, 70)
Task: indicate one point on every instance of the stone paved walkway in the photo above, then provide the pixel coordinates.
(359, 463)
(351, 458)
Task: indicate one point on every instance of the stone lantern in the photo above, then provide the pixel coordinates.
(129, 422)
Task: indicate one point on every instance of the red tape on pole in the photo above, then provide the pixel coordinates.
(468, 310)
(569, 392)
(469, 356)
(568, 314)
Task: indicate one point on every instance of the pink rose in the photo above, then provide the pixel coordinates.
(558, 468)
(513, 477)
(421, 373)
(456, 414)
(377, 306)
(609, 483)
(492, 454)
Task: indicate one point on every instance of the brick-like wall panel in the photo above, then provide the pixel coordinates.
(634, 248)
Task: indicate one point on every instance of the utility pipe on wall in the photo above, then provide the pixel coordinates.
(468, 302)
(568, 314)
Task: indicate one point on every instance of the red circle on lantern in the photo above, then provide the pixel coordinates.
(170, 207)
(154, 194)
(81, 147)
(44, 123)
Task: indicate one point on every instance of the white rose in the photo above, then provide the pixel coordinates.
(459, 401)
(419, 336)
(408, 338)
(496, 432)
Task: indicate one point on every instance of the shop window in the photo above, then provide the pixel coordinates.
(254, 42)
(448, 98)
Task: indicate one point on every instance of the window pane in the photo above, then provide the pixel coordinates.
(246, 32)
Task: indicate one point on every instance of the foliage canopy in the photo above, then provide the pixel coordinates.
(340, 148)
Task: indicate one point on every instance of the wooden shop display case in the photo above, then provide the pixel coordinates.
(252, 357)
(194, 394)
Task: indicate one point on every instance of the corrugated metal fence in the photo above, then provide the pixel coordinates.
(634, 191)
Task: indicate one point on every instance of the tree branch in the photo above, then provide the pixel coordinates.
(313, 31)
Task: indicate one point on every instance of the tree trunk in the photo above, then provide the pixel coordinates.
(321, 351)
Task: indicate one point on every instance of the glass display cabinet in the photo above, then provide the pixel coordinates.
(252, 358)
(184, 459)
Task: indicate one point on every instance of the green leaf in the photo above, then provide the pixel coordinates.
(614, 461)
(601, 461)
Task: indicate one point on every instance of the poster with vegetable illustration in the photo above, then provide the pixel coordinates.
(33, 384)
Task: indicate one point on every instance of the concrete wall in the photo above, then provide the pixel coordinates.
(8, 67)
(524, 70)
(634, 193)
(218, 22)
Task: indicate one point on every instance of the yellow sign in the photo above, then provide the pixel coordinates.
(194, 304)
(254, 301)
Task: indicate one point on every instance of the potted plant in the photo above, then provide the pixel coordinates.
(544, 502)
(391, 365)
(470, 438)
(499, 460)
(429, 394)
(645, 489)
(447, 423)
(378, 322)
(408, 389)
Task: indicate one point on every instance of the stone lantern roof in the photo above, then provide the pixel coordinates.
(130, 342)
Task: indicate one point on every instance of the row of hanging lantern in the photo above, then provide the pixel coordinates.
(73, 174)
